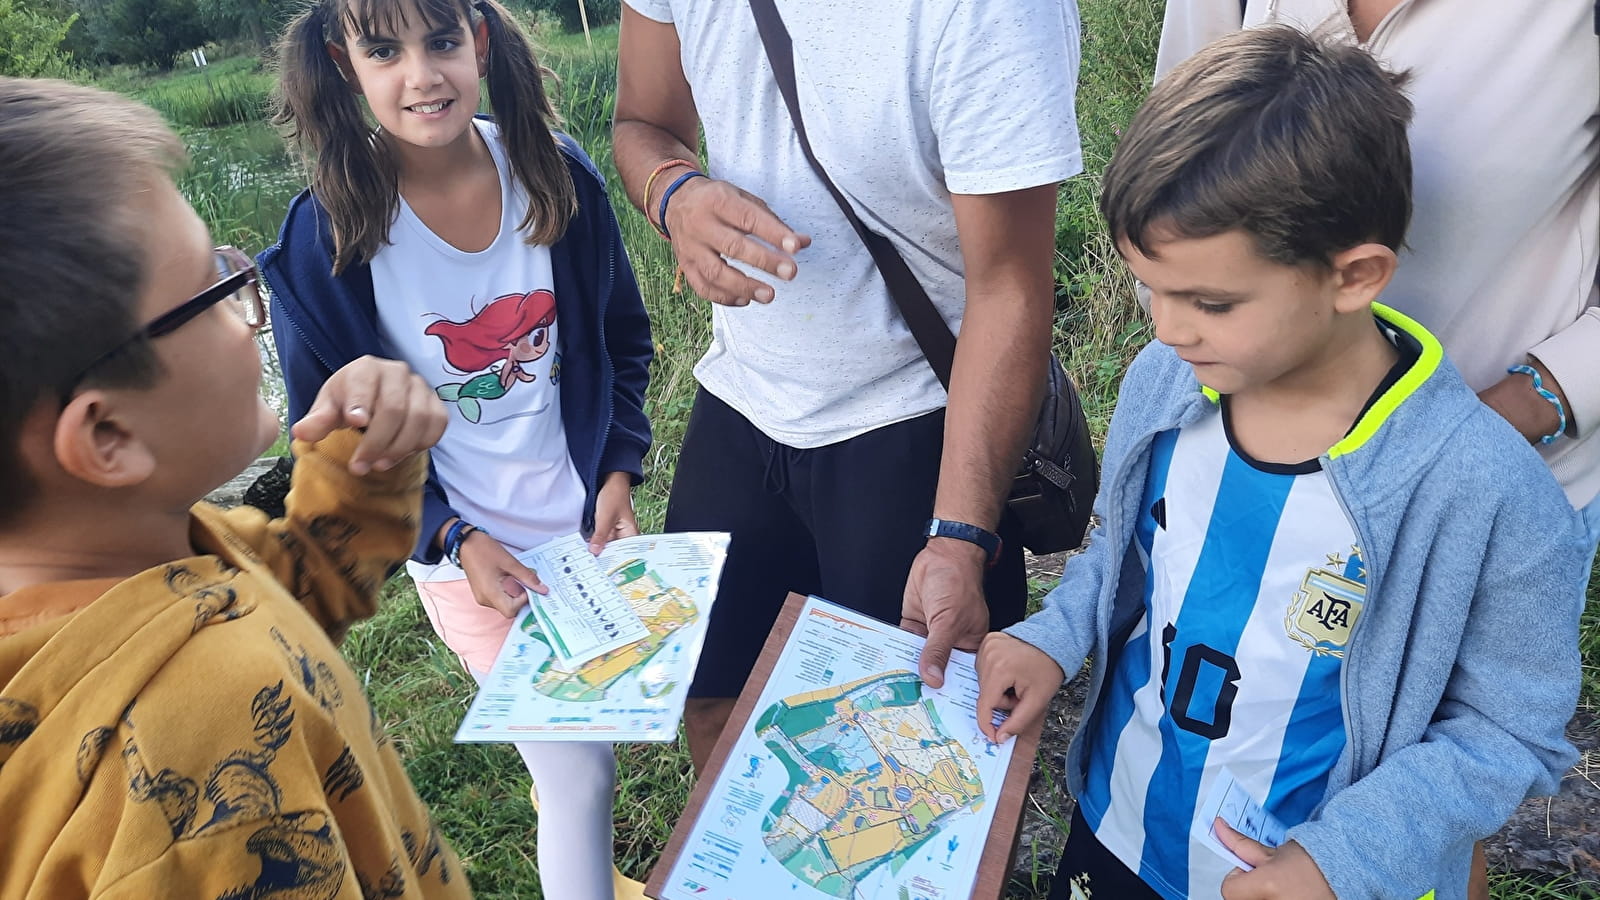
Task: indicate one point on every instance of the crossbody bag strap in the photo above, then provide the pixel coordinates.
(927, 326)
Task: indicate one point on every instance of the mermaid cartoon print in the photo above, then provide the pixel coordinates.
(499, 343)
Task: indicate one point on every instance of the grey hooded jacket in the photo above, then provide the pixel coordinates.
(1463, 668)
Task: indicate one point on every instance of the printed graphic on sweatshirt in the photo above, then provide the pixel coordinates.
(495, 350)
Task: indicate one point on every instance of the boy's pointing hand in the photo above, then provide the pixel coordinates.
(397, 410)
(1013, 676)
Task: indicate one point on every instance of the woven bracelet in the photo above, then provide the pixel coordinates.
(1538, 385)
(667, 195)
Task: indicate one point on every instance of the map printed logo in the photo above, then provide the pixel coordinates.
(1328, 604)
(873, 775)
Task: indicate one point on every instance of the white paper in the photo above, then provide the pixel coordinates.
(632, 693)
(584, 615)
(852, 778)
(1231, 803)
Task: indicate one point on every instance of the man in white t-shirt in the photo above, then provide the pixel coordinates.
(821, 438)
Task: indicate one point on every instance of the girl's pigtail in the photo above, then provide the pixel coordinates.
(353, 175)
(526, 118)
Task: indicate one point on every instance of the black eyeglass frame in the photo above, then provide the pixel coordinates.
(235, 282)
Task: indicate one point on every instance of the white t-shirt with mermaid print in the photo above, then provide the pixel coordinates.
(481, 328)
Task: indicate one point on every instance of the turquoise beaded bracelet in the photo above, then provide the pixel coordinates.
(1538, 385)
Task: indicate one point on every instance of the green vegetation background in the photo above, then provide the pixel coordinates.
(241, 180)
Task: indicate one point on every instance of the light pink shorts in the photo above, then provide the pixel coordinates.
(471, 631)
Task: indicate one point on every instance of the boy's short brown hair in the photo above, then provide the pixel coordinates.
(1300, 143)
(71, 247)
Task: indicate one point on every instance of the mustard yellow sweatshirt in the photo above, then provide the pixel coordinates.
(192, 731)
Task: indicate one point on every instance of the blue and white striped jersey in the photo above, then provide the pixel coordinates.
(1254, 582)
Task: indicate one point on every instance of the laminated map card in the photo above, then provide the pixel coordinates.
(608, 654)
(842, 775)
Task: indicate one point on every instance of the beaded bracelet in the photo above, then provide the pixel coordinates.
(667, 195)
(1538, 385)
(650, 182)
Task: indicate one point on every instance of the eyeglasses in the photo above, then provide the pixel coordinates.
(237, 283)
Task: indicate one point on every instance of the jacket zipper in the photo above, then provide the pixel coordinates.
(1346, 698)
(262, 276)
(610, 399)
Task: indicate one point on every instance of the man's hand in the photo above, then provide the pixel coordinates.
(497, 578)
(713, 221)
(399, 412)
(944, 602)
(1281, 873)
(613, 512)
(1015, 676)
(1514, 398)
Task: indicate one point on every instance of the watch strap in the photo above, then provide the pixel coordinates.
(972, 534)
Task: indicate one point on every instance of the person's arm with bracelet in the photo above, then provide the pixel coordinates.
(654, 139)
(1568, 368)
(996, 384)
(498, 580)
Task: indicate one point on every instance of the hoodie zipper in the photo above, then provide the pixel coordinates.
(611, 378)
(1346, 698)
(261, 275)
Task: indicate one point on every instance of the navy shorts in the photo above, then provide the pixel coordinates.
(1089, 870)
(843, 521)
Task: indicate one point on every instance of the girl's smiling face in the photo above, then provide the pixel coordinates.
(420, 76)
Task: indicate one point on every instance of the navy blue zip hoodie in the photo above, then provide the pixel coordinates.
(322, 322)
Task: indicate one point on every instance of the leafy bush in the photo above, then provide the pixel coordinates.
(145, 32)
(30, 42)
(601, 12)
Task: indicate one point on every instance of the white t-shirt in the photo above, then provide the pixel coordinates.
(905, 102)
(481, 329)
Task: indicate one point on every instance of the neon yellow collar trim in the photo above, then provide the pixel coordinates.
(1384, 406)
(1420, 371)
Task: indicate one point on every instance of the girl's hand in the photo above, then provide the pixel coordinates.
(613, 512)
(499, 581)
(399, 412)
(1286, 872)
(1016, 676)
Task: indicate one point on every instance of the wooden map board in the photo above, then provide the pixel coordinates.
(994, 867)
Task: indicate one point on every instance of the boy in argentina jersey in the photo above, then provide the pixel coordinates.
(1325, 576)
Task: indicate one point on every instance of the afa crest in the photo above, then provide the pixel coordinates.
(1328, 604)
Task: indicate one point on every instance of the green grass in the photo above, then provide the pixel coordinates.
(242, 181)
(225, 92)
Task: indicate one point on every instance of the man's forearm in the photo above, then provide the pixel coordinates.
(995, 392)
(1008, 246)
(655, 119)
(638, 147)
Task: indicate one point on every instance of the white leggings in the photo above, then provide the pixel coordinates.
(576, 781)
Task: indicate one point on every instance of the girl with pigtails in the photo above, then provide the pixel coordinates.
(485, 254)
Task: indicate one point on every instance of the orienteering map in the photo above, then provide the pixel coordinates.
(852, 780)
(633, 693)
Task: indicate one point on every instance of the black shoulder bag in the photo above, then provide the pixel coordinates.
(1053, 492)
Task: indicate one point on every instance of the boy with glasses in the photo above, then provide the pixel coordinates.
(174, 718)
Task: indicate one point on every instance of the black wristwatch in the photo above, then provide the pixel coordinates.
(972, 534)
